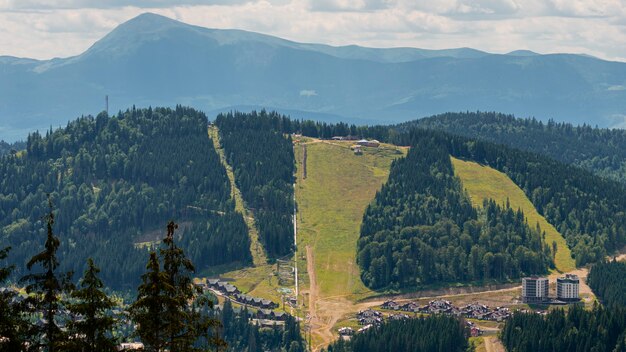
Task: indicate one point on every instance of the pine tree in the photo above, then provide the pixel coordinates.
(45, 290)
(93, 331)
(11, 323)
(207, 326)
(178, 315)
(148, 310)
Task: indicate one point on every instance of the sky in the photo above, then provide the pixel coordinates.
(44, 29)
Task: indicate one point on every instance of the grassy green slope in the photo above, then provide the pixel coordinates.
(482, 182)
(331, 203)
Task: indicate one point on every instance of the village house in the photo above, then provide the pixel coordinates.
(365, 328)
(270, 315)
(398, 316)
(391, 305)
(230, 290)
(410, 307)
(369, 317)
(369, 313)
(346, 331)
(130, 346)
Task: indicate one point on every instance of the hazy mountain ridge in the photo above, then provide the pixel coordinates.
(153, 60)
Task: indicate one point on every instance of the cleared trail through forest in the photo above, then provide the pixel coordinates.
(258, 253)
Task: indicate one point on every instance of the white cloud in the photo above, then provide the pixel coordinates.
(106, 4)
(29, 28)
(616, 88)
(308, 93)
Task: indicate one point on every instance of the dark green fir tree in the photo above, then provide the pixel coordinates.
(92, 329)
(45, 290)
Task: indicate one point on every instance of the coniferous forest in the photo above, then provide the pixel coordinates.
(586, 209)
(169, 313)
(435, 333)
(607, 279)
(11, 148)
(114, 179)
(577, 330)
(422, 229)
(599, 150)
(263, 163)
(240, 335)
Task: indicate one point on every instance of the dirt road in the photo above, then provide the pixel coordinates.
(325, 312)
(492, 344)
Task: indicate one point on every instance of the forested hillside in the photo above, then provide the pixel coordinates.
(7, 148)
(115, 180)
(608, 282)
(263, 163)
(579, 330)
(242, 335)
(599, 150)
(425, 334)
(586, 209)
(421, 228)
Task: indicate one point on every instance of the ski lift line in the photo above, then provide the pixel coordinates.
(295, 238)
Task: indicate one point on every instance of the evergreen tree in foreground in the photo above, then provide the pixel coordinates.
(178, 316)
(93, 331)
(147, 311)
(11, 323)
(45, 289)
(167, 310)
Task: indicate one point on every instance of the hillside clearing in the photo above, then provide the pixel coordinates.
(482, 182)
(259, 280)
(331, 202)
(258, 254)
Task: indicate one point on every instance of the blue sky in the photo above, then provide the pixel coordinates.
(45, 29)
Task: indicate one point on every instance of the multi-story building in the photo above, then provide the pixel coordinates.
(535, 289)
(567, 288)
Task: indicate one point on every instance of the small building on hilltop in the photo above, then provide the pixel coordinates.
(369, 143)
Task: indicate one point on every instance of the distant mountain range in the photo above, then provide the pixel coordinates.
(154, 60)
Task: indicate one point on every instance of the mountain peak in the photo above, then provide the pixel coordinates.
(522, 53)
(147, 27)
(149, 21)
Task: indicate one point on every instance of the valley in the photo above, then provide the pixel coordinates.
(332, 191)
(441, 220)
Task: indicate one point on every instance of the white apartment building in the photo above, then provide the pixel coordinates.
(567, 288)
(535, 289)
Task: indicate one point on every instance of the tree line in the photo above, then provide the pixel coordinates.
(434, 333)
(113, 178)
(607, 279)
(585, 208)
(422, 229)
(263, 164)
(577, 330)
(11, 148)
(599, 150)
